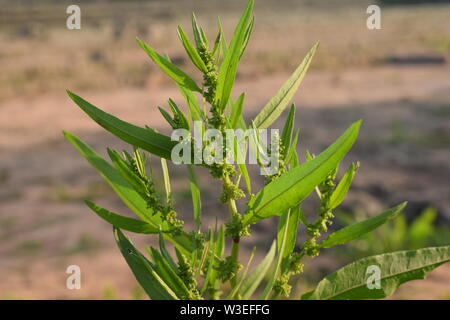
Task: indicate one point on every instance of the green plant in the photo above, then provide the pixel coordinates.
(200, 267)
(397, 234)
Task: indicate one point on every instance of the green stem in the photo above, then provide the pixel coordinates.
(235, 257)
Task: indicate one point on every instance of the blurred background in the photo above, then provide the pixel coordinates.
(396, 79)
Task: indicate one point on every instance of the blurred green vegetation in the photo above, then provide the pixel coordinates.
(397, 234)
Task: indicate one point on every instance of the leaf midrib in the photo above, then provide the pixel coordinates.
(384, 278)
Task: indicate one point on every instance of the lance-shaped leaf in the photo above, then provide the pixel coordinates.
(283, 238)
(288, 130)
(155, 143)
(228, 68)
(236, 111)
(280, 101)
(168, 274)
(169, 68)
(195, 193)
(184, 123)
(191, 51)
(199, 35)
(168, 118)
(196, 112)
(288, 224)
(295, 185)
(248, 33)
(256, 276)
(354, 281)
(126, 192)
(342, 188)
(356, 230)
(142, 269)
(125, 223)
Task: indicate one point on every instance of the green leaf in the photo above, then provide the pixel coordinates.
(165, 253)
(199, 36)
(283, 238)
(168, 274)
(280, 101)
(223, 41)
(295, 185)
(170, 69)
(288, 130)
(350, 282)
(237, 287)
(356, 230)
(130, 176)
(248, 33)
(257, 275)
(126, 192)
(142, 269)
(166, 177)
(196, 199)
(236, 111)
(292, 150)
(196, 112)
(123, 189)
(168, 118)
(342, 188)
(422, 228)
(149, 140)
(176, 111)
(191, 51)
(228, 68)
(125, 223)
(288, 224)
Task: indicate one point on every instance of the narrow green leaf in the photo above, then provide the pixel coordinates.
(196, 198)
(126, 192)
(166, 177)
(288, 130)
(168, 275)
(168, 118)
(248, 33)
(149, 140)
(295, 185)
(236, 111)
(237, 287)
(125, 223)
(253, 281)
(292, 150)
(288, 224)
(165, 253)
(176, 111)
(200, 39)
(152, 284)
(223, 41)
(196, 112)
(356, 230)
(132, 178)
(351, 281)
(344, 185)
(228, 68)
(170, 69)
(280, 101)
(282, 244)
(191, 51)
